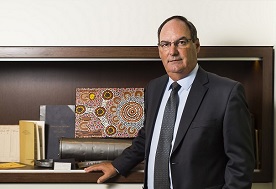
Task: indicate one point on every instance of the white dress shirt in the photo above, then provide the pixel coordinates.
(183, 93)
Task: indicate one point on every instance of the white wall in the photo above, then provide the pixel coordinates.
(132, 23)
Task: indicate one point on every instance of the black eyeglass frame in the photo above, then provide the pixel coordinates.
(180, 43)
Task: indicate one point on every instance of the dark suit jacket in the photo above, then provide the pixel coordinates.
(213, 147)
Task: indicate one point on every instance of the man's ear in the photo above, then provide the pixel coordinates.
(197, 43)
(159, 51)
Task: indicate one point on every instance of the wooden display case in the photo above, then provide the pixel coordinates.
(34, 76)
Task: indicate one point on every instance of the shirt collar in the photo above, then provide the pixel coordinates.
(187, 81)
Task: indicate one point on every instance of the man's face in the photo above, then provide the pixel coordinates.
(178, 60)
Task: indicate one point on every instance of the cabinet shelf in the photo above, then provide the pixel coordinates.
(63, 177)
(34, 76)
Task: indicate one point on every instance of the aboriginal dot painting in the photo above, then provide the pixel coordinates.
(109, 112)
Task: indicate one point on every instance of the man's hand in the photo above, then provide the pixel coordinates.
(108, 170)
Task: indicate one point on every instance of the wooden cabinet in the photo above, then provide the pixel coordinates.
(34, 76)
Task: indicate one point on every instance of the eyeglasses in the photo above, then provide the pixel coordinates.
(181, 43)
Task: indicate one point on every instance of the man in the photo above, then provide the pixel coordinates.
(211, 143)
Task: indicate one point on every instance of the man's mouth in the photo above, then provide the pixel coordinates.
(175, 60)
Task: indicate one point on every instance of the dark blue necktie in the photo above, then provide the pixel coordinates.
(161, 168)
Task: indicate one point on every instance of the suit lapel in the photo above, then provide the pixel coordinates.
(193, 102)
(154, 102)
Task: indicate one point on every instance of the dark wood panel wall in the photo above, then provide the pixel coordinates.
(34, 76)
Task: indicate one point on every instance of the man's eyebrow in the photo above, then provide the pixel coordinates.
(183, 37)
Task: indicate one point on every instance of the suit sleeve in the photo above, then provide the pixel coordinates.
(132, 155)
(238, 143)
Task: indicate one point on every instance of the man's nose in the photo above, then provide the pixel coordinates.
(173, 49)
